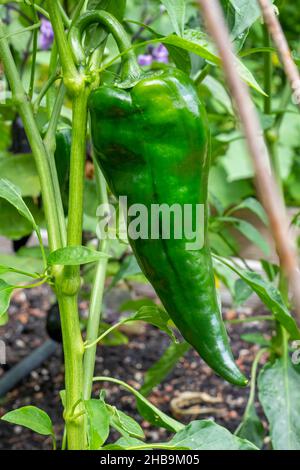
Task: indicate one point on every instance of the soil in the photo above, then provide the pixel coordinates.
(26, 331)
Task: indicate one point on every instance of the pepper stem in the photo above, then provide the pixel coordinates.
(130, 69)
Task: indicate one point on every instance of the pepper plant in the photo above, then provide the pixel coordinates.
(133, 115)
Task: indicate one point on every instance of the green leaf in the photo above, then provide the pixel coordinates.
(160, 370)
(237, 161)
(269, 295)
(256, 338)
(114, 338)
(227, 193)
(134, 305)
(5, 294)
(254, 206)
(270, 269)
(251, 427)
(117, 9)
(21, 171)
(250, 232)
(12, 224)
(124, 424)
(146, 409)
(218, 92)
(19, 263)
(279, 394)
(12, 194)
(31, 417)
(207, 435)
(74, 256)
(98, 419)
(129, 267)
(155, 316)
(4, 319)
(176, 11)
(242, 292)
(124, 443)
(181, 58)
(198, 43)
(246, 13)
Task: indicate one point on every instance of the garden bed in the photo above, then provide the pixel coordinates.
(26, 331)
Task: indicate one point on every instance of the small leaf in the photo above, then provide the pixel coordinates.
(176, 11)
(256, 338)
(134, 305)
(5, 294)
(74, 256)
(98, 418)
(242, 292)
(250, 232)
(31, 417)
(12, 194)
(21, 171)
(4, 319)
(129, 267)
(117, 9)
(160, 370)
(198, 43)
(251, 428)
(146, 409)
(155, 316)
(269, 295)
(279, 394)
(124, 424)
(207, 435)
(114, 338)
(218, 92)
(124, 443)
(254, 206)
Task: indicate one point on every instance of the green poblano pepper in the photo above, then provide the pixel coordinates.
(150, 137)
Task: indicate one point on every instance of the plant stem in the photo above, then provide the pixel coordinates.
(91, 344)
(78, 155)
(50, 96)
(45, 88)
(73, 352)
(74, 81)
(253, 376)
(251, 398)
(268, 73)
(55, 230)
(49, 139)
(96, 300)
(69, 284)
(34, 53)
(271, 136)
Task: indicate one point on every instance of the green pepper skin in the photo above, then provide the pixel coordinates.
(62, 157)
(151, 144)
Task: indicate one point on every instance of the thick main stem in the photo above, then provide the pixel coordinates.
(69, 283)
(73, 352)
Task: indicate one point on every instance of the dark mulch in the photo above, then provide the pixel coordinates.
(26, 331)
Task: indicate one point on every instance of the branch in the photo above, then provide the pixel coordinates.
(281, 43)
(266, 185)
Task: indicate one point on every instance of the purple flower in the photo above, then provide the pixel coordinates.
(155, 54)
(145, 59)
(46, 34)
(161, 54)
